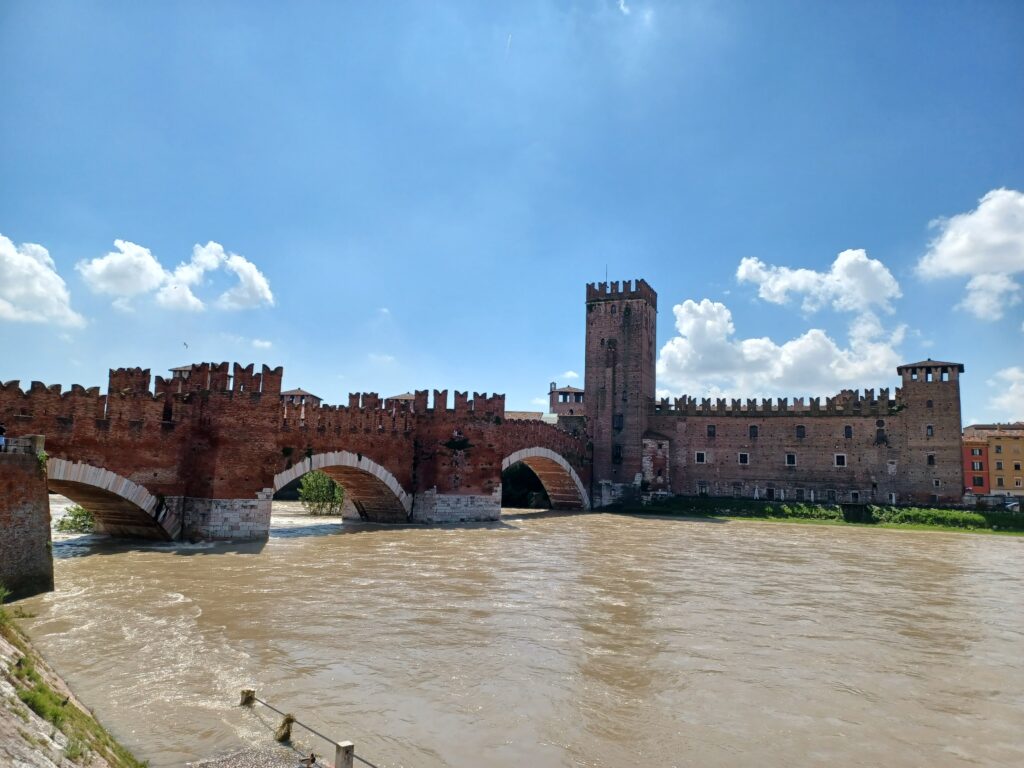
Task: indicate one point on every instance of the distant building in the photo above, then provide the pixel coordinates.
(297, 400)
(565, 401)
(975, 453)
(1005, 444)
(524, 415)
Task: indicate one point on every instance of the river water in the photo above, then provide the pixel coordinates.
(578, 640)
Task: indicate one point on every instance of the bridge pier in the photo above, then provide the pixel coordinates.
(433, 507)
(223, 519)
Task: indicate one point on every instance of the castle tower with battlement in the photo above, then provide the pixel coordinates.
(619, 380)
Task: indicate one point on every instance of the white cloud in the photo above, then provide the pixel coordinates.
(987, 245)
(262, 344)
(570, 375)
(384, 311)
(989, 295)
(854, 283)
(381, 359)
(706, 358)
(126, 272)
(1009, 401)
(252, 288)
(31, 291)
(624, 8)
(132, 270)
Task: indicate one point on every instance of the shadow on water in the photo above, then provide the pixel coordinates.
(108, 545)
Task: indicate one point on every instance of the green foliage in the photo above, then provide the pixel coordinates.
(4, 616)
(320, 494)
(42, 457)
(807, 511)
(77, 519)
(75, 751)
(951, 518)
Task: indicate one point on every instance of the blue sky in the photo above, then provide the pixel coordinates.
(383, 197)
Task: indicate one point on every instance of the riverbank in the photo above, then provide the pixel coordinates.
(42, 724)
(987, 521)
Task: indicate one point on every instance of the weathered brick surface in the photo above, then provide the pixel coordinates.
(215, 435)
(26, 564)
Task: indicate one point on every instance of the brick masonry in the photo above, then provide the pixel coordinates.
(26, 562)
(191, 456)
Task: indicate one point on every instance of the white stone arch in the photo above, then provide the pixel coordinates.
(64, 475)
(547, 455)
(321, 461)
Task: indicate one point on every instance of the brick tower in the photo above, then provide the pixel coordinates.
(619, 381)
(930, 395)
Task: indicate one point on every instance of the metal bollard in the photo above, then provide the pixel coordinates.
(344, 751)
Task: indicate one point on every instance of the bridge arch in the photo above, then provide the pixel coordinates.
(560, 481)
(373, 490)
(120, 507)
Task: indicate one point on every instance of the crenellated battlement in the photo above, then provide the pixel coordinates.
(845, 402)
(627, 289)
(481, 405)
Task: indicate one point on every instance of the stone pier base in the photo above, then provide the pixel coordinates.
(226, 519)
(434, 507)
(26, 562)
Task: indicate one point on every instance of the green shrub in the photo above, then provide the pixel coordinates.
(807, 511)
(952, 518)
(77, 519)
(320, 494)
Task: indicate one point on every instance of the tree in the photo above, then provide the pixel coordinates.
(77, 519)
(320, 494)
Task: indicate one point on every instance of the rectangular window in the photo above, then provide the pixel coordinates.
(702, 488)
(790, 459)
(579, 397)
(711, 430)
(977, 466)
(801, 431)
(617, 421)
(937, 483)
(800, 494)
(752, 432)
(999, 465)
(975, 451)
(999, 482)
(616, 454)
(931, 459)
(999, 449)
(929, 431)
(769, 493)
(700, 458)
(847, 431)
(854, 496)
(1016, 466)
(1016, 482)
(744, 458)
(977, 481)
(840, 459)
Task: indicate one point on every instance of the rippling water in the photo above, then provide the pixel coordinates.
(589, 640)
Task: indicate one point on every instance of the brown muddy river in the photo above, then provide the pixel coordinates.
(590, 640)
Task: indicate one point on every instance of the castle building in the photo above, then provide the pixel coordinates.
(565, 401)
(879, 447)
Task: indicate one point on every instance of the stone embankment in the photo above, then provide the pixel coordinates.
(42, 724)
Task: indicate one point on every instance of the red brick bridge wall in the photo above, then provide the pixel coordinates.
(207, 448)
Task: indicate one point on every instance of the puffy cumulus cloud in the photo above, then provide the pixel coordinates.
(31, 291)
(1009, 400)
(262, 344)
(707, 359)
(132, 270)
(986, 245)
(854, 283)
(128, 271)
(569, 375)
(252, 289)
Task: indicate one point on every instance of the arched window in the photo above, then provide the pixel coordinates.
(753, 431)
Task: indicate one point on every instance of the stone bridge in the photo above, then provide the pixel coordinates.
(200, 455)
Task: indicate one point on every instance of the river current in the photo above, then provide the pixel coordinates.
(575, 640)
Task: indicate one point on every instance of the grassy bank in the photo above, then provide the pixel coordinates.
(40, 690)
(924, 518)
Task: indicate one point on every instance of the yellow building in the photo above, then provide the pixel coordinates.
(1005, 455)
